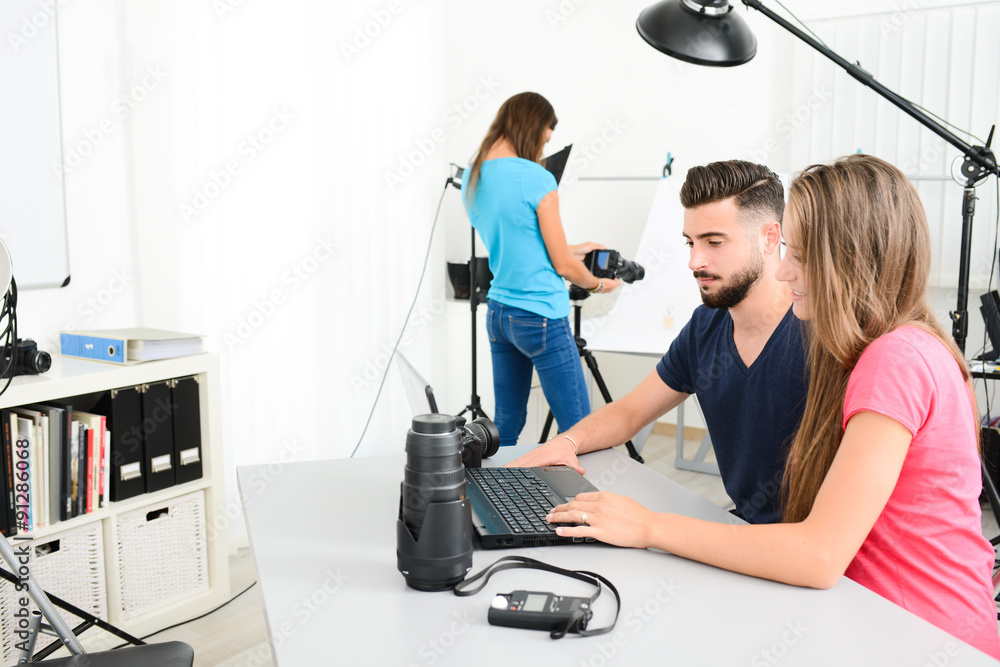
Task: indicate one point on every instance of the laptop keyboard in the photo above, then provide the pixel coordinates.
(520, 496)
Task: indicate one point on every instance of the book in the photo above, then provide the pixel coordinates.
(14, 519)
(80, 495)
(8, 526)
(38, 427)
(90, 474)
(25, 452)
(105, 467)
(55, 416)
(74, 466)
(129, 346)
(90, 469)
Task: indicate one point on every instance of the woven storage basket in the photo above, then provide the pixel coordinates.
(69, 565)
(162, 555)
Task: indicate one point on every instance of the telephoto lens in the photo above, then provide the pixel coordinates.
(434, 529)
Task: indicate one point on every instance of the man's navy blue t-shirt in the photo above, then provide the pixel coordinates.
(751, 413)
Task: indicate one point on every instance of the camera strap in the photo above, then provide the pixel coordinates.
(463, 589)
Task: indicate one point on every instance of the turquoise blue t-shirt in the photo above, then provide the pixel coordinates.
(503, 212)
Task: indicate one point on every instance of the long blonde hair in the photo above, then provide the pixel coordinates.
(522, 120)
(865, 248)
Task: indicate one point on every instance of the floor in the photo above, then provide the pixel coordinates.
(235, 635)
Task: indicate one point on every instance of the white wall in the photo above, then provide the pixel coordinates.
(301, 257)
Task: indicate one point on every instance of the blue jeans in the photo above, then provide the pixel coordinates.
(519, 341)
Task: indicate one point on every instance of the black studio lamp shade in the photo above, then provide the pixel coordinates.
(703, 32)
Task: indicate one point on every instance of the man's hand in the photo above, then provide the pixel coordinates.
(558, 451)
(607, 517)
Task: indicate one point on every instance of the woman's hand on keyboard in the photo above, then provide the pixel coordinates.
(605, 516)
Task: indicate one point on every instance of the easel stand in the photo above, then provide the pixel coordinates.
(576, 297)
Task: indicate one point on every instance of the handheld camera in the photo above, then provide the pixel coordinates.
(610, 264)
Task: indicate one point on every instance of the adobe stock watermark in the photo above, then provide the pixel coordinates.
(95, 304)
(252, 146)
(928, 157)
(633, 622)
(773, 654)
(292, 280)
(656, 259)
(562, 13)
(79, 150)
(425, 147)
(373, 369)
(434, 648)
(223, 8)
(302, 612)
(364, 35)
(792, 122)
(896, 20)
(766, 493)
(255, 484)
(34, 24)
(588, 152)
(22, 616)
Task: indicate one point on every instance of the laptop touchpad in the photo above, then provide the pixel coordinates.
(565, 481)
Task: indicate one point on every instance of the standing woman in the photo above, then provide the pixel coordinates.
(511, 200)
(883, 479)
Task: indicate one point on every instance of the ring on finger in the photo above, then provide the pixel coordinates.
(583, 518)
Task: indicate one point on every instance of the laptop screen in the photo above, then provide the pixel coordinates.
(418, 392)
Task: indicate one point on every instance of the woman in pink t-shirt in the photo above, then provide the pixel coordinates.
(883, 478)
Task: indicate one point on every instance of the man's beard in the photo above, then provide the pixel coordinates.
(738, 286)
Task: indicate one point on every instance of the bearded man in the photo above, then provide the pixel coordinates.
(742, 352)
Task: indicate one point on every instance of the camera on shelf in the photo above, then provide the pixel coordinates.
(28, 359)
(610, 264)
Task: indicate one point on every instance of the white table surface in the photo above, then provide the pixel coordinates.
(323, 535)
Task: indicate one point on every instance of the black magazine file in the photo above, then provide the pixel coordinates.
(158, 435)
(187, 429)
(123, 409)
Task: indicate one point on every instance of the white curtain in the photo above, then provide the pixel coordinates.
(265, 217)
(946, 58)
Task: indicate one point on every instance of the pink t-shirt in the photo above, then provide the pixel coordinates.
(926, 551)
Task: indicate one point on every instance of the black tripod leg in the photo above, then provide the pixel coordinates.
(595, 371)
(548, 426)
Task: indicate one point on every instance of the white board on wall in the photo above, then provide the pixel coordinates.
(649, 314)
(32, 195)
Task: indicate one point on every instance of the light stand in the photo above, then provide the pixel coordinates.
(576, 297)
(474, 408)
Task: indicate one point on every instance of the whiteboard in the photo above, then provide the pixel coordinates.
(648, 314)
(32, 193)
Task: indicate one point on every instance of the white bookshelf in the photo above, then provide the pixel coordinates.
(73, 377)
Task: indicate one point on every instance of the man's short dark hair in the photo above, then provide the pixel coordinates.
(755, 188)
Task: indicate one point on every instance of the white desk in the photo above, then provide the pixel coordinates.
(323, 535)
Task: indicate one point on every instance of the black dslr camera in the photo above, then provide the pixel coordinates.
(28, 359)
(480, 440)
(609, 264)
